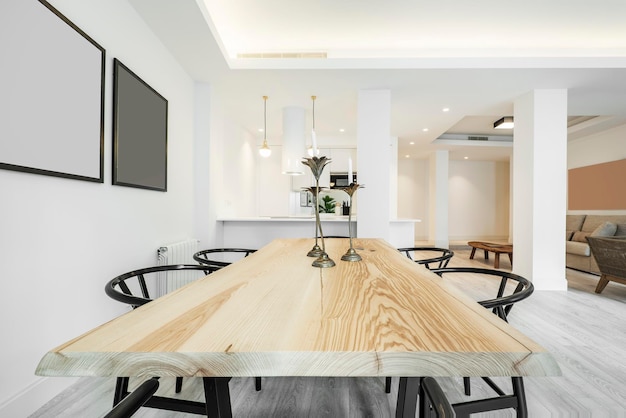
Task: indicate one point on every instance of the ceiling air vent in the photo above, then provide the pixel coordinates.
(478, 138)
(274, 55)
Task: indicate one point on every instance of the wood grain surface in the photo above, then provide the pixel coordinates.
(273, 314)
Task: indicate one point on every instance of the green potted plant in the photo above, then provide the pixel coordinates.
(327, 204)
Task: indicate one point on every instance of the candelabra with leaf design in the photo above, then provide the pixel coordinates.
(317, 164)
(351, 254)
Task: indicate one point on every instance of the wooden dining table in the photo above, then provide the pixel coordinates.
(274, 314)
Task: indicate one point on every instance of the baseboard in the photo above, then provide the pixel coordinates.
(34, 396)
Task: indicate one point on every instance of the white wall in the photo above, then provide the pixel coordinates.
(61, 240)
(413, 194)
(478, 200)
(238, 195)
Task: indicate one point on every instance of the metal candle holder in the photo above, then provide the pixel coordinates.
(351, 254)
(317, 164)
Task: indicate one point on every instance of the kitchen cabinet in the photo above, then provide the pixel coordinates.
(340, 157)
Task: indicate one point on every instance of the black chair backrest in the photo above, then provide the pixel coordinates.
(441, 260)
(433, 402)
(502, 304)
(119, 288)
(207, 257)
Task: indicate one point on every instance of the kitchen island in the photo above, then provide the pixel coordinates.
(255, 232)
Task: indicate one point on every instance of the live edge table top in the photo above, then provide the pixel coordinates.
(273, 314)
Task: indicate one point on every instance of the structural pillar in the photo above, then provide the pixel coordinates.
(438, 199)
(540, 187)
(374, 156)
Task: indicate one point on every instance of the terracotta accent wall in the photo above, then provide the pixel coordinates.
(598, 187)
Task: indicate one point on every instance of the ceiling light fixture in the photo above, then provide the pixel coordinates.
(505, 122)
(313, 150)
(265, 151)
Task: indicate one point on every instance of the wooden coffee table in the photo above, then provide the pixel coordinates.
(497, 249)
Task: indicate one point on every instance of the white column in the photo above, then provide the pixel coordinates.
(373, 151)
(540, 192)
(438, 198)
(204, 212)
(393, 178)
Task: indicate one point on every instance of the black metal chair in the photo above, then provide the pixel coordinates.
(135, 400)
(442, 258)
(432, 400)
(221, 257)
(132, 288)
(501, 306)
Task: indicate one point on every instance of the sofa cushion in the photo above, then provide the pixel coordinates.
(606, 229)
(568, 235)
(578, 248)
(580, 236)
(593, 221)
(574, 222)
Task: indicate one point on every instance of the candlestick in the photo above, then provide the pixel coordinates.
(351, 254)
(314, 141)
(317, 166)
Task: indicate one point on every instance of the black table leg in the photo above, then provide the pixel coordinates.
(408, 389)
(217, 396)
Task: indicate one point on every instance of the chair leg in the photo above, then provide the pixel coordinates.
(121, 389)
(257, 383)
(467, 386)
(179, 384)
(604, 280)
(387, 384)
(520, 394)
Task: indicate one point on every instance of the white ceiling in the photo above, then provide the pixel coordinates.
(473, 57)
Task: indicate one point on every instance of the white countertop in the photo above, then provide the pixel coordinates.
(331, 218)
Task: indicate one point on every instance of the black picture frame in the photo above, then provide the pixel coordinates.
(53, 89)
(139, 132)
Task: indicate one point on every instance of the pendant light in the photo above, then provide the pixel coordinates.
(265, 151)
(313, 150)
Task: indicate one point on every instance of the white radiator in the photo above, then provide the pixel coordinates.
(178, 253)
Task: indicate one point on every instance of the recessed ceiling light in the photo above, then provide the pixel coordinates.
(342, 130)
(411, 143)
(445, 109)
(465, 158)
(260, 129)
(425, 129)
(407, 156)
(505, 122)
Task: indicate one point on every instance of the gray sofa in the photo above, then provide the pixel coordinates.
(578, 227)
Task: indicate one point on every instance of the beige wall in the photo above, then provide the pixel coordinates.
(478, 198)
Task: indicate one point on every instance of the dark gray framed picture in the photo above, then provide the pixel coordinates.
(52, 94)
(139, 132)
